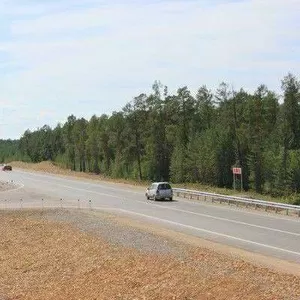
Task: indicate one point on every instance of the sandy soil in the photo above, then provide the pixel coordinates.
(62, 255)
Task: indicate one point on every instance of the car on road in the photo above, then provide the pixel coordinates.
(7, 168)
(159, 191)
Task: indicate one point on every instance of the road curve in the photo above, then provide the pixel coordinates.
(271, 235)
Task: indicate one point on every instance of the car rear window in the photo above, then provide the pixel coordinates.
(164, 186)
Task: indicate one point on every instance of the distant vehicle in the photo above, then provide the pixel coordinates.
(7, 168)
(159, 191)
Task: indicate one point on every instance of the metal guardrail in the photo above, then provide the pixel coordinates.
(275, 206)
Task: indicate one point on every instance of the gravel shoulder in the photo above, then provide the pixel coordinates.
(72, 254)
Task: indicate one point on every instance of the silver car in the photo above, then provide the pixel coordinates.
(159, 191)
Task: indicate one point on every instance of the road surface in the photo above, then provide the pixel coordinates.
(277, 236)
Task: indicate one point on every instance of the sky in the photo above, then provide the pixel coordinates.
(64, 57)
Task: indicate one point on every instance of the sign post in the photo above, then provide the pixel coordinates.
(237, 171)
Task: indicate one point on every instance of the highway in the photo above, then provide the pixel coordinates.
(259, 232)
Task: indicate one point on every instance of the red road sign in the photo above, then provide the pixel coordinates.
(237, 170)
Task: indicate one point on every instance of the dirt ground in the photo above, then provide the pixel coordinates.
(60, 254)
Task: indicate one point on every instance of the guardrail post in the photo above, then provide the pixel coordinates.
(61, 203)
(5, 204)
(299, 213)
(21, 203)
(90, 204)
(276, 210)
(287, 211)
(42, 203)
(78, 201)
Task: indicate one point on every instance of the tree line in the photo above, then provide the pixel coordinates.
(182, 138)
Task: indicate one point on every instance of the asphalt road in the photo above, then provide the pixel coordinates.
(272, 235)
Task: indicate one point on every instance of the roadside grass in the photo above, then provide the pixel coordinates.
(50, 167)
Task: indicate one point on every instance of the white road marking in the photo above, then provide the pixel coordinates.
(206, 231)
(179, 210)
(228, 220)
(79, 189)
(82, 182)
(141, 193)
(241, 209)
(20, 186)
(185, 225)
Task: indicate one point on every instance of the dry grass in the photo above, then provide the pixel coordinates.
(47, 260)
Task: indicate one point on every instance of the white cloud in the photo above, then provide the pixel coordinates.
(106, 54)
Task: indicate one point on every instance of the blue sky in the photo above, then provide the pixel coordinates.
(63, 57)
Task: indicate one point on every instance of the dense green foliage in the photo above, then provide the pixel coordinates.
(183, 138)
(9, 150)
